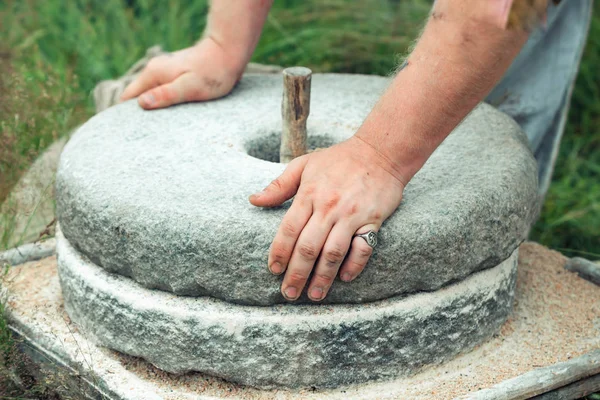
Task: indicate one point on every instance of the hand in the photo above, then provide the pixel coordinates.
(340, 191)
(199, 73)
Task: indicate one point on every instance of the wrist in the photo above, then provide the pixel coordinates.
(236, 29)
(373, 154)
(394, 146)
(232, 60)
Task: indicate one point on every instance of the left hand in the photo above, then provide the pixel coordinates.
(346, 189)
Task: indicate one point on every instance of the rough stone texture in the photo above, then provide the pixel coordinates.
(161, 196)
(285, 345)
(556, 319)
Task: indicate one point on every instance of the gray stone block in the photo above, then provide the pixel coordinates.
(161, 196)
(285, 345)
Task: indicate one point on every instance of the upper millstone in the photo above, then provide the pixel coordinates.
(161, 196)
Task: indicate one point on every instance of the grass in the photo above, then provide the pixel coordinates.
(52, 53)
(55, 52)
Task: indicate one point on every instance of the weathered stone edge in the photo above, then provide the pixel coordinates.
(286, 345)
(541, 380)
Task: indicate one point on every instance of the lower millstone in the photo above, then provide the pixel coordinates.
(285, 345)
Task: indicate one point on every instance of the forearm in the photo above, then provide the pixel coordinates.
(459, 58)
(236, 25)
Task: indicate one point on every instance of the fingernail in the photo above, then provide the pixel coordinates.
(346, 277)
(316, 293)
(148, 99)
(276, 268)
(255, 196)
(290, 293)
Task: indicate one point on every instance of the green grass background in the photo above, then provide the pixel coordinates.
(53, 52)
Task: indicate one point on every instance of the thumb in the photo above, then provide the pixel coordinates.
(284, 187)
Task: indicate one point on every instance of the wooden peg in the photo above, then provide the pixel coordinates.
(295, 108)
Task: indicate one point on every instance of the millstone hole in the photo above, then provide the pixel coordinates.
(267, 147)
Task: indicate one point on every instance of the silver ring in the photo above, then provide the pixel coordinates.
(370, 237)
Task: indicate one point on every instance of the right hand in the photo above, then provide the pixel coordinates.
(199, 73)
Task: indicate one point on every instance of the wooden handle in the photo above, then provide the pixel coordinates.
(295, 108)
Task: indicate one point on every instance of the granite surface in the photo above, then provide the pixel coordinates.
(285, 345)
(161, 196)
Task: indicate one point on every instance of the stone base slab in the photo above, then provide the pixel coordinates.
(285, 345)
(556, 319)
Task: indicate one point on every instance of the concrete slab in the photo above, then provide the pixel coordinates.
(556, 319)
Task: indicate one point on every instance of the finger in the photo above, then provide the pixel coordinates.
(162, 96)
(358, 256)
(146, 80)
(333, 253)
(289, 230)
(305, 254)
(186, 87)
(284, 187)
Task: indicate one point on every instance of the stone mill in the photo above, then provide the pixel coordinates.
(161, 256)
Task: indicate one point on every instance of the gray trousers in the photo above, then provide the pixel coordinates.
(537, 88)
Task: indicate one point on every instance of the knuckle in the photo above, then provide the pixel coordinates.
(334, 256)
(308, 251)
(277, 184)
(302, 201)
(296, 278)
(289, 229)
(364, 251)
(279, 252)
(351, 209)
(279, 256)
(355, 267)
(309, 190)
(375, 215)
(324, 277)
(331, 201)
